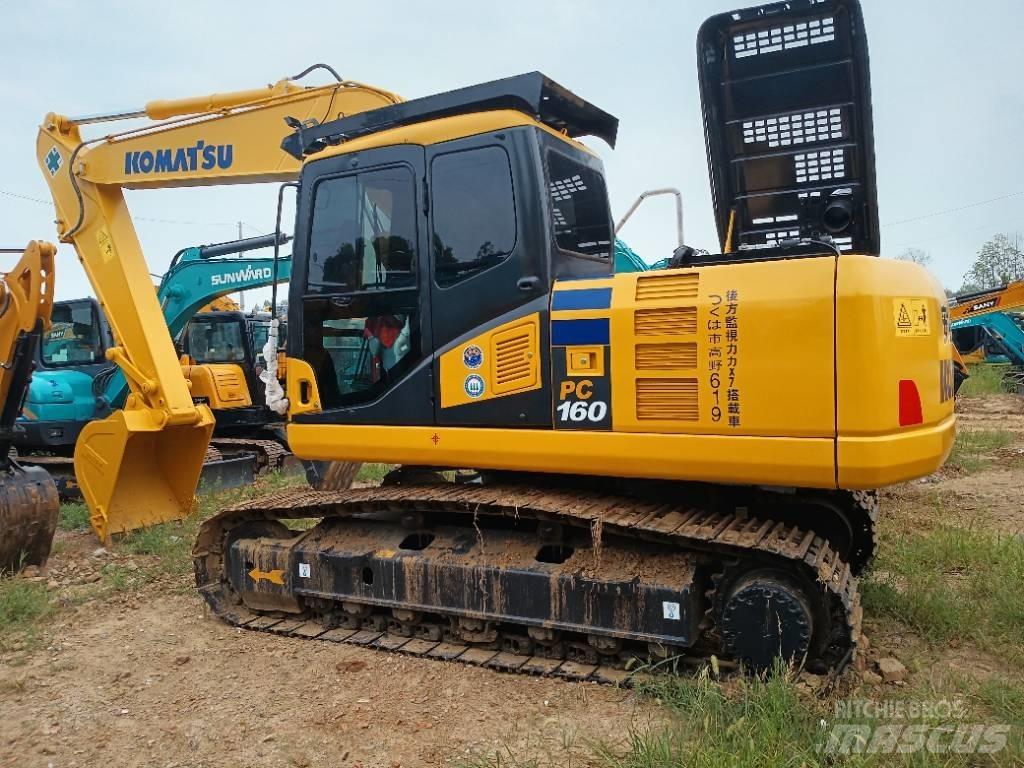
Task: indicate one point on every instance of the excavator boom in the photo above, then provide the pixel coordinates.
(141, 465)
(28, 496)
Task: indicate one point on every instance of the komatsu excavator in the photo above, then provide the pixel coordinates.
(679, 462)
(28, 496)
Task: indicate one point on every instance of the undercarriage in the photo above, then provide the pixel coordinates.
(546, 575)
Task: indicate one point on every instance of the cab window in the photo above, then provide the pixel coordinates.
(579, 208)
(474, 213)
(216, 342)
(364, 228)
(74, 336)
(361, 311)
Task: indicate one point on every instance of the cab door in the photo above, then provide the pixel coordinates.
(488, 280)
(363, 308)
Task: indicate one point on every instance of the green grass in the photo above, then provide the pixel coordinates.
(23, 605)
(972, 446)
(952, 583)
(764, 722)
(984, 380)
(73, 517)
(373, 473)
(160, 552)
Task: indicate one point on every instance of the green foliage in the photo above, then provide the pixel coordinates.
(984, 380)
(22, 603)
(952, 583)
(73, 517)
(972, 446)
(763, 722)
(373, 473)
(999, 261)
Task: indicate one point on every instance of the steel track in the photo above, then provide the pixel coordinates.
(734, 540)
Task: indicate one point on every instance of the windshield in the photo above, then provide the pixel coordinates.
(216, 342)
(74, 336)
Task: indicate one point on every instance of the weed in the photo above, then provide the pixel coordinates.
(22, 605)
(984, 380)
(373, 473)
(952, 583)
(971, 446)
(73, 517)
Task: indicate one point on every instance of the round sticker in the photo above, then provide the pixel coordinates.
(473, 356)
(474, 385)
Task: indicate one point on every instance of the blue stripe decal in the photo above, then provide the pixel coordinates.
(588, 298)
(565, 333)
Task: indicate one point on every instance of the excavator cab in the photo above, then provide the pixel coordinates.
(415, 249)
(219, 347)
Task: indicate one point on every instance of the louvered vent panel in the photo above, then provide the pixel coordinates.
(666, 356)
(229, 383)
(515, 357)
(667, 287)
(670, 321)
(666, 400)
(227, 377)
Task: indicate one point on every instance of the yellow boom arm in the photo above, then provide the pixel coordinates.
(140, 466)
(1006, 299)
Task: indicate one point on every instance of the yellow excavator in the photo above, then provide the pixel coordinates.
(671, 463)
(28, 496)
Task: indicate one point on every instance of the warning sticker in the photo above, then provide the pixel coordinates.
(106, 244)
(911, 317)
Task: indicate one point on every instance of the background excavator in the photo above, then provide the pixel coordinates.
(658, 465)
(74, 384)
(28, 496)
(988, 326)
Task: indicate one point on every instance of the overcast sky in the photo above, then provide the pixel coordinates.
(948, 102)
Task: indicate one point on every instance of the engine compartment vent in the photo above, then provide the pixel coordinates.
(669, 321)
(667, 287)
(666, 400)
(665, 356)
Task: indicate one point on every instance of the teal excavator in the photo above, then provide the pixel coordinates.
(74, 383)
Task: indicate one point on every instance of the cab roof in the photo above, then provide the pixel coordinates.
(532, 93)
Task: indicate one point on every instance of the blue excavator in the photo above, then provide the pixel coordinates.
(221, 354)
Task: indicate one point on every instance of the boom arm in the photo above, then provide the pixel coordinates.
(218, 139)
(1001, 328)
(26, 301)
(1004, 299)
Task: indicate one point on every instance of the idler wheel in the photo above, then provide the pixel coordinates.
(766, 616)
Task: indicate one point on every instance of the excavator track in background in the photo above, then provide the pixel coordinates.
(270, 454)
(625, 583)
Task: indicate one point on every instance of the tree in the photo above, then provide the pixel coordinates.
(916, 255)
(1000, 261)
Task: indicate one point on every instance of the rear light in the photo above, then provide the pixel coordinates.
(910, 403)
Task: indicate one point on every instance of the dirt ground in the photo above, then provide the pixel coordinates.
(145, 678)
(157, 683)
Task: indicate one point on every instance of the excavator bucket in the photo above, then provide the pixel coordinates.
(28, 517)
(135, 472)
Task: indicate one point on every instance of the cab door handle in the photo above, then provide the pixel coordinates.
(528, 283)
